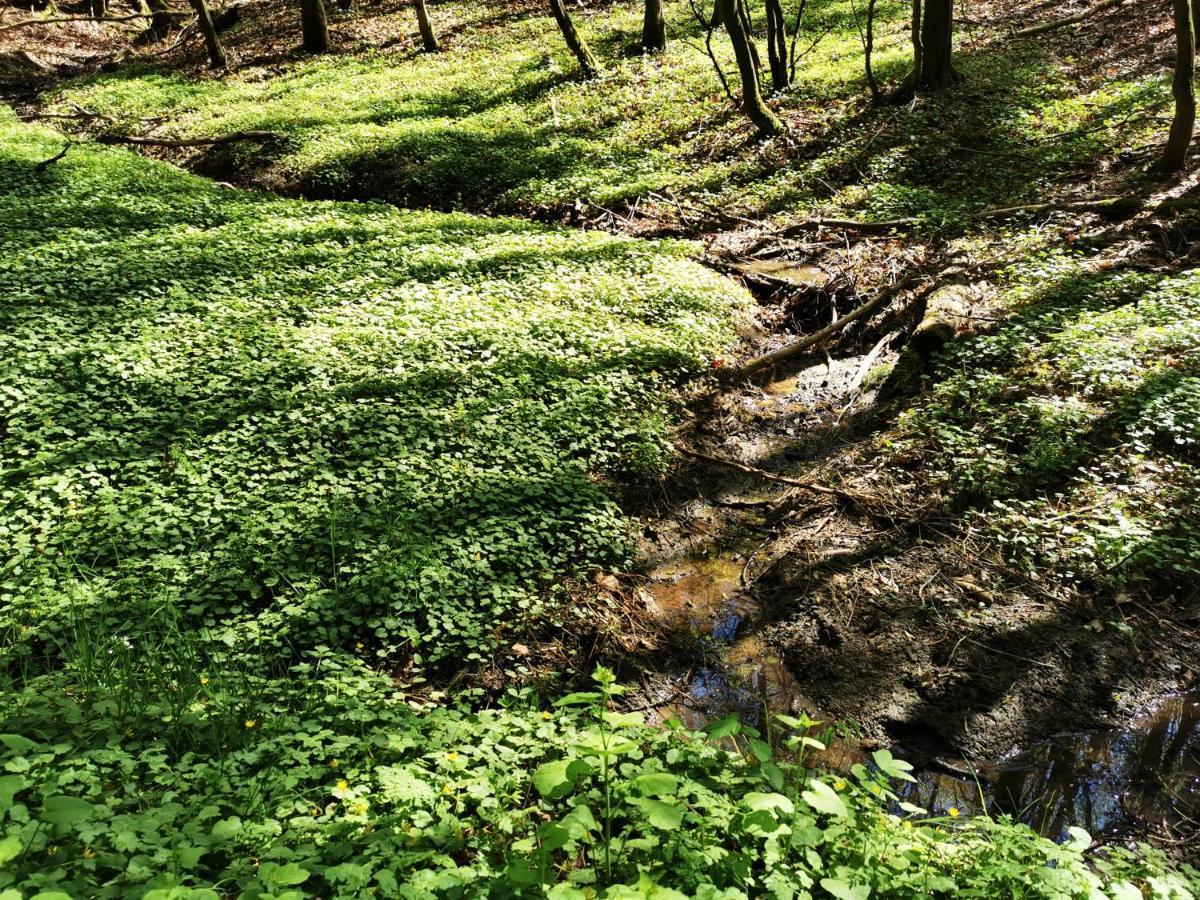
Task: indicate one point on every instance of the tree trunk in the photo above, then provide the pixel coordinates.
(1183, 89)
(752, 100)
(97, 8)
(315, 26)
(748, 30)
(212, 43)
(429, 40)
(777, 45)
(933, 40)
(654, 28)
(575, 42)
(937, 35)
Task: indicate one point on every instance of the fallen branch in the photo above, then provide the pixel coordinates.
(807, 343)
(47, 163)
(771, 476)
(190, 142)
(1068, 20)
(26, 22)
(1119, 205)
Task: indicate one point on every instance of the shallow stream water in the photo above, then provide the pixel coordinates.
(1143, 775)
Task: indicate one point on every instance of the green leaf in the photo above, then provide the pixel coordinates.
(10, 849)
(656, 784)
(63, 810)
(554, 779)
(666, 816)
(580, 698)
(17, 744)
(725, 727)
(824, 799)
(761, 749)
(892, 767)
(843, 891)
(282, 875)
(769, 803)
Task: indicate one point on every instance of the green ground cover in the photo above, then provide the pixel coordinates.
(1072, 426)
(260, 456)
(501, 122)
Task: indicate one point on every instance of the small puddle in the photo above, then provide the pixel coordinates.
(1145, 774)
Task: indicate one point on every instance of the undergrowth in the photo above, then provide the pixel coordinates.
(1071, 425)
(502, 123)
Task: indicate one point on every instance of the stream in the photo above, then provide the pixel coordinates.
(1122, 781)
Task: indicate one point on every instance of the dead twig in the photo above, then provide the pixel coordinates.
(190, 142)
(807, 343)
(1068, 20)
(47, 163)
(773, 476)
(27, 22)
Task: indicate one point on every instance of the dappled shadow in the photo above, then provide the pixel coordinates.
(317, 424)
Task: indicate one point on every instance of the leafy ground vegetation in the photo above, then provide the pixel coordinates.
(502, 123)
(237, 494)
(286, 482)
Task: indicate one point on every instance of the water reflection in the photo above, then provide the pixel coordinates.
(1145, 775)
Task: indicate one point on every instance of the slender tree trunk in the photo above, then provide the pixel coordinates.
(1183, 89)
(429, 40)
(575, 42)
(869, 52)
(748, 29)
(937, 36)
(755, 107)
(933, 42)
(777, 45)
(654, 27)
(212, 43)
(314, 24)
(1196, 21)
(97, 8)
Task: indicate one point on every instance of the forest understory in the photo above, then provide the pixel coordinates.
(962, 523)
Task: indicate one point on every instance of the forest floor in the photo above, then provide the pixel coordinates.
(998, 540)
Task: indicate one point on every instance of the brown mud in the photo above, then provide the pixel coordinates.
(1009, 692)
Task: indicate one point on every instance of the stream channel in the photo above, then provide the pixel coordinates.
(1119, 782)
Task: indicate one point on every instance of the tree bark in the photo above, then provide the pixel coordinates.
(429, 40)
(654, 27)
(1183, 89)
(777, 45)
(933, 40)
(753, 105)
(314, 24)
(97, 8)
(212, 43)
(575, 42)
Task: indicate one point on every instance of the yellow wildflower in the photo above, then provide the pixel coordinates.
(447, 789)
(88, 852)
(204, 679)
(453, 756)
(839, 785)
(250, 723)
(906, 824)
(953, 812)
(343, 784)
(333, 764)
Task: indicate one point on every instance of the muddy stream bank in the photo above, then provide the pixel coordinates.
(1008, 697)
(1125, 780)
